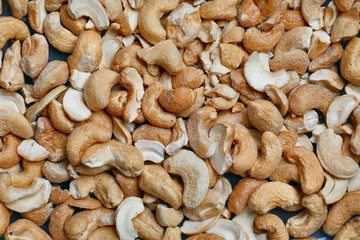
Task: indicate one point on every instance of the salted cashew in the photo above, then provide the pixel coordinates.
(18, 30)
(285, 172)
(117, 102)
(296, 60)
(92, 9)
(331, 12)
(272, 224)
(328, 78)
(341, 212)
(219, 10)
(15, 123)
(157, 182)
(310, 171)
(305, 123)
(85, 135)
(58, 117)
(170, 60)
(149, 19)
(296, 38)
(193, 172)
(56, 172)
(177, 100)
(131, 80)
(273, 194)
(35, 55)
(269, 157)
(327, 59)
(120, 131)
(348, 64)
(152, 110)
(350, 230)
(227, 229)
(334, 189)
(278, 98)
(25, 229)
(116, 154)
(30, 150)
(11, 75)
(311, 11)
(58, 36)
(316, 97)
(339, 111)
(168, 217)
(75, 106)
(240, 195)
(76, 26)
(39, 216)
(331, 158)
(172, 233)
(97, 89)
(257, 66)
(248, 14)
(82, 224)
(30, 171)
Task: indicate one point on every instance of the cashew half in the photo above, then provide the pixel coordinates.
(15, 123)
(193, 172)
(74, 105)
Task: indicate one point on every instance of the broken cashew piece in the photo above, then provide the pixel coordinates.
(30, 150)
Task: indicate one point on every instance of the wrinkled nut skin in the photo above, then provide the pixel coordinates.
(273, 194)
(35, 55)
(341, 212)
(177, 100)
(351, 230)
(240, 195)
(317, 97)
(58, 195)
(273, 225)
(311, 172)
(265, 116)
(25, 229)
(152, 133)
(55, 73)
(349, 64)
(157, 182)
(12, 28)
(8, 154)
(147, 227)
(5, 218)
(87, 52)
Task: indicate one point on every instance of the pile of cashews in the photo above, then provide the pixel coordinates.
(132, 135)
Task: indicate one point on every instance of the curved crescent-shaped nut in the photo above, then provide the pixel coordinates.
(316, 96)
(41, 215)
(82, 224)
(351, 230)
(90, 8)
(278, 98)
(125, 157)
(97, 89)
(151, 150)
(58, 36)
(12, 100)
(8, 154)
(219, 10)
(349, 64)
(36, 15)
(257, 67)
(87, 52)
(296, 60)
(245, 152)
(310, 171)
(296, 38)
(331, 158)
(346, 25)
(285, 172)
(152, 110)
(97, 129)
(15, 123)
(76, 26)
(58, 117)
(56, 172)
(31, 170)
(327, 59)
(198, 127)
(310, 220)
(149, 19)
(35, 55)
(273, 194)
(75, 106)
(196, 227)
(168, 216)
(255, 40)
(104, 233)
(312, 13)
(269, 157)
(157, 182)
(152, 133)
(25, 229)
(227, 229)
(125, 213)
(240, 195)
(55, 73)
(58, 217)
(12, 28)
(328, 78)
(170, 58)
(273, 225)
(147, 227)
(341, 212)
(194, 174)
(5, 218)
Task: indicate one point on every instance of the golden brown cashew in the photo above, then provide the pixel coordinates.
(25, 229)
(341, 212)
(327, 59)
(5, 218)
(311, 11)
(348, 65)
(310, 220)
(273, 225)
(219, 10)
(351, 230)
(39, 216)
(273, 194)
(147, 227)
(8, 154)
(149, 19)
(58, 217)
(346, 25)
(15, 123)
(12, 28)
(310, 170)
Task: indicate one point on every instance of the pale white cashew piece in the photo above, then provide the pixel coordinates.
(153, 151)
(317, 131)
(121, 133)
(128, 209)
(229, 230)
(246, 220)
(331, 158)
(194, 174)
(328, 78)
(303, 124)
(194, 227)
(354, 183)
(74, 105)
(30, 150)
(257, 67)
(353, 90)
(12, 100)
(182, 139)
(334, 189)
(37, 15)
(90, 8)
(78, 79)
(111, 43)
(338, 113)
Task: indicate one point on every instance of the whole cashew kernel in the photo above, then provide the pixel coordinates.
(273, 225)
(12, 28)
(25, 229)
(350, 230)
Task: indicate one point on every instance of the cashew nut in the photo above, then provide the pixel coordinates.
(15, 123)
(348, 64)
(12, 28)
(272, 224)
(25, 229)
